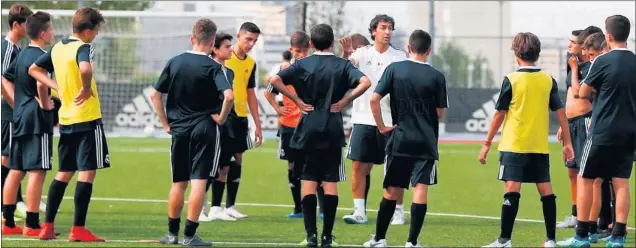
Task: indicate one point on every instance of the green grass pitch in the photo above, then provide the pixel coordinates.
(129, 202)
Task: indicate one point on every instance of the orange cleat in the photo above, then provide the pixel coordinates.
(81, 234)
(31, 232)
(11, 231)
(48, 231)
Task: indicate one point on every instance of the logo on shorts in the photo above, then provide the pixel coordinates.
(482, 116)
(107, 159)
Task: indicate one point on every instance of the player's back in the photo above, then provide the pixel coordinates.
(9, 53)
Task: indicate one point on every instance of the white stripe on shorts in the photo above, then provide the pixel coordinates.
(99, 151)
(342, 170)
(433, 172)
(501, 171)
(217, 153)
(586, 153)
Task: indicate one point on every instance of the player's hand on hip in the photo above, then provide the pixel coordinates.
(259, 136)
(167, 129)
(483, 154)
(217, 118)
(386, 130)
(347, 45)
(568, 153)
(284, 111)
(83, 95)
(339, 106)
(559, 136)
(304, 107)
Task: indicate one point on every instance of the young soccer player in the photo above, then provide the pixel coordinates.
(194, 84)
(578, 111)
(80, 121)
(609, 149)
(366, 144)
(244, 82)
(523, 146)
(418, 100)
(222, 52)
(289, 116)
(572, 42)
(18, 14)
(321, 82)
(32, 141)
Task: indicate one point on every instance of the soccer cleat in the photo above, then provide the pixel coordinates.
(47, 231)
(568, 222)
(549, 244)
(169, 239)
(195, 241)
(355, 219)
(81, 234)
(232, 211)
(43, 207)
(31, 232)
(574, 242)
(604, 234)
(296, 215)
(17, 230)
(217, 213)
(328, 241)
(616, 242)
(310, 241)
(398, 218)
(498, 244)
(20, 210)
(593, 238)
(203, 217)
(373, 243)
(409, 244)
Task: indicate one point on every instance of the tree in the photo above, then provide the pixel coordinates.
(459, 68)
(328, 12)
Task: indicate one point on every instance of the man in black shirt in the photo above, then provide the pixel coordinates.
(321, 82)
(609, 149)
(418, 100)
(193, 83)
(32, 141)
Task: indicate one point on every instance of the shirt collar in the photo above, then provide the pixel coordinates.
(197, 53)
(323, 53)
(11, 42)
(419, 62)
(531, 67)
(621, 49)
(73, 38)
(36, 46)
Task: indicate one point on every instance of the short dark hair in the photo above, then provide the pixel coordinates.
(322, 36)
(586, 33)
(377, 19)
(37, 23)
(18, 13)
(204, 30)
(250, 27)
(604, 45)
(618, 26)
(594, 42)
(420, 41)
(527, 46)
(287, 56)
(299, 39)
(220, 37)
(359, 40)
(87, 18)
(577, 32)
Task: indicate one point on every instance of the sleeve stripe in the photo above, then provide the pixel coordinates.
(91, 54)
(7, 57)
(591, 65)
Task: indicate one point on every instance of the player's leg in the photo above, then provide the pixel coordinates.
(6, 149)
(398, 171)
(236, 167)
(423, 176)
(295, 166)
(37, 158)
(310, 177)
(180, 174)
(570, 221)
(605, 217)
(596, 209)
(398, 216)
(16, 173)
(620, 175)
(362, 152)
(334, 171)
(539, 173)
(218, 185)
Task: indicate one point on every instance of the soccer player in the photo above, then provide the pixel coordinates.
(81, 126)
(289, 116)
(366, 144)
(244, 82)
(578, 111)
(222, 52)
(523, 146)
(609, 149)
(194, 84)
(572, 42)
(321, 82)
(18, 14)
(31, 149)
(418, 100)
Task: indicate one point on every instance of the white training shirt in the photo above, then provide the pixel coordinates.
(372, 63)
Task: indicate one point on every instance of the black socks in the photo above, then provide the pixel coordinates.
(549, 215)
(582, 229)
(54, 199)
(233, 181)
(366, 190)
(387, 208)
(190, 228)
(294, 186)
(509, 210)
(309, 203)
(7, 213)
(331, 206)
(217, 193)
(418, 214)
(83, 192)
(173, 225)
(33, 220)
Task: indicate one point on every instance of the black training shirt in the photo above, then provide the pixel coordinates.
(9, 53)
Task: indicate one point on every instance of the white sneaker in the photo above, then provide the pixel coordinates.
(355, 219)
(43, 207)
(568, 222)
(232, 211)
(398, 218)
(549, 244)
(373, 243)
(408, 244)
(217, 213)
(203, 217)
(20, 210)
(497, 244)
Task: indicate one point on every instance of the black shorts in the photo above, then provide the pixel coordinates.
(579, 127)
(524, 167)
(32, 152)
(83, 151)
(196, 154)
(607, 161)
(366, 144)
(400, 171)
(323, 165)
(7, 133)
(57, 104)
(285, 152)
(240, 130)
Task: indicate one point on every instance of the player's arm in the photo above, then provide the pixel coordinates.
(252, 103)
(441, 96)
(348, 52)
(383, 88)
(40, 70)
(358, 82)
(502, 106)
(557, 105)
(270, 95)
(8, 88)
(593, 80)
(86, 73)
(161, 87)
(222, 81)
(288, 77)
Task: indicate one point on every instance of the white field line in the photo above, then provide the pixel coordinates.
(157, 242)
(258, 150)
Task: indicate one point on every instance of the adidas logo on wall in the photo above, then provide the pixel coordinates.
(480, 120)
(139, 113)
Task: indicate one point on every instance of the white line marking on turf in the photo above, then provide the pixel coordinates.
(257, 150)
(470, 216)
(157, 242)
